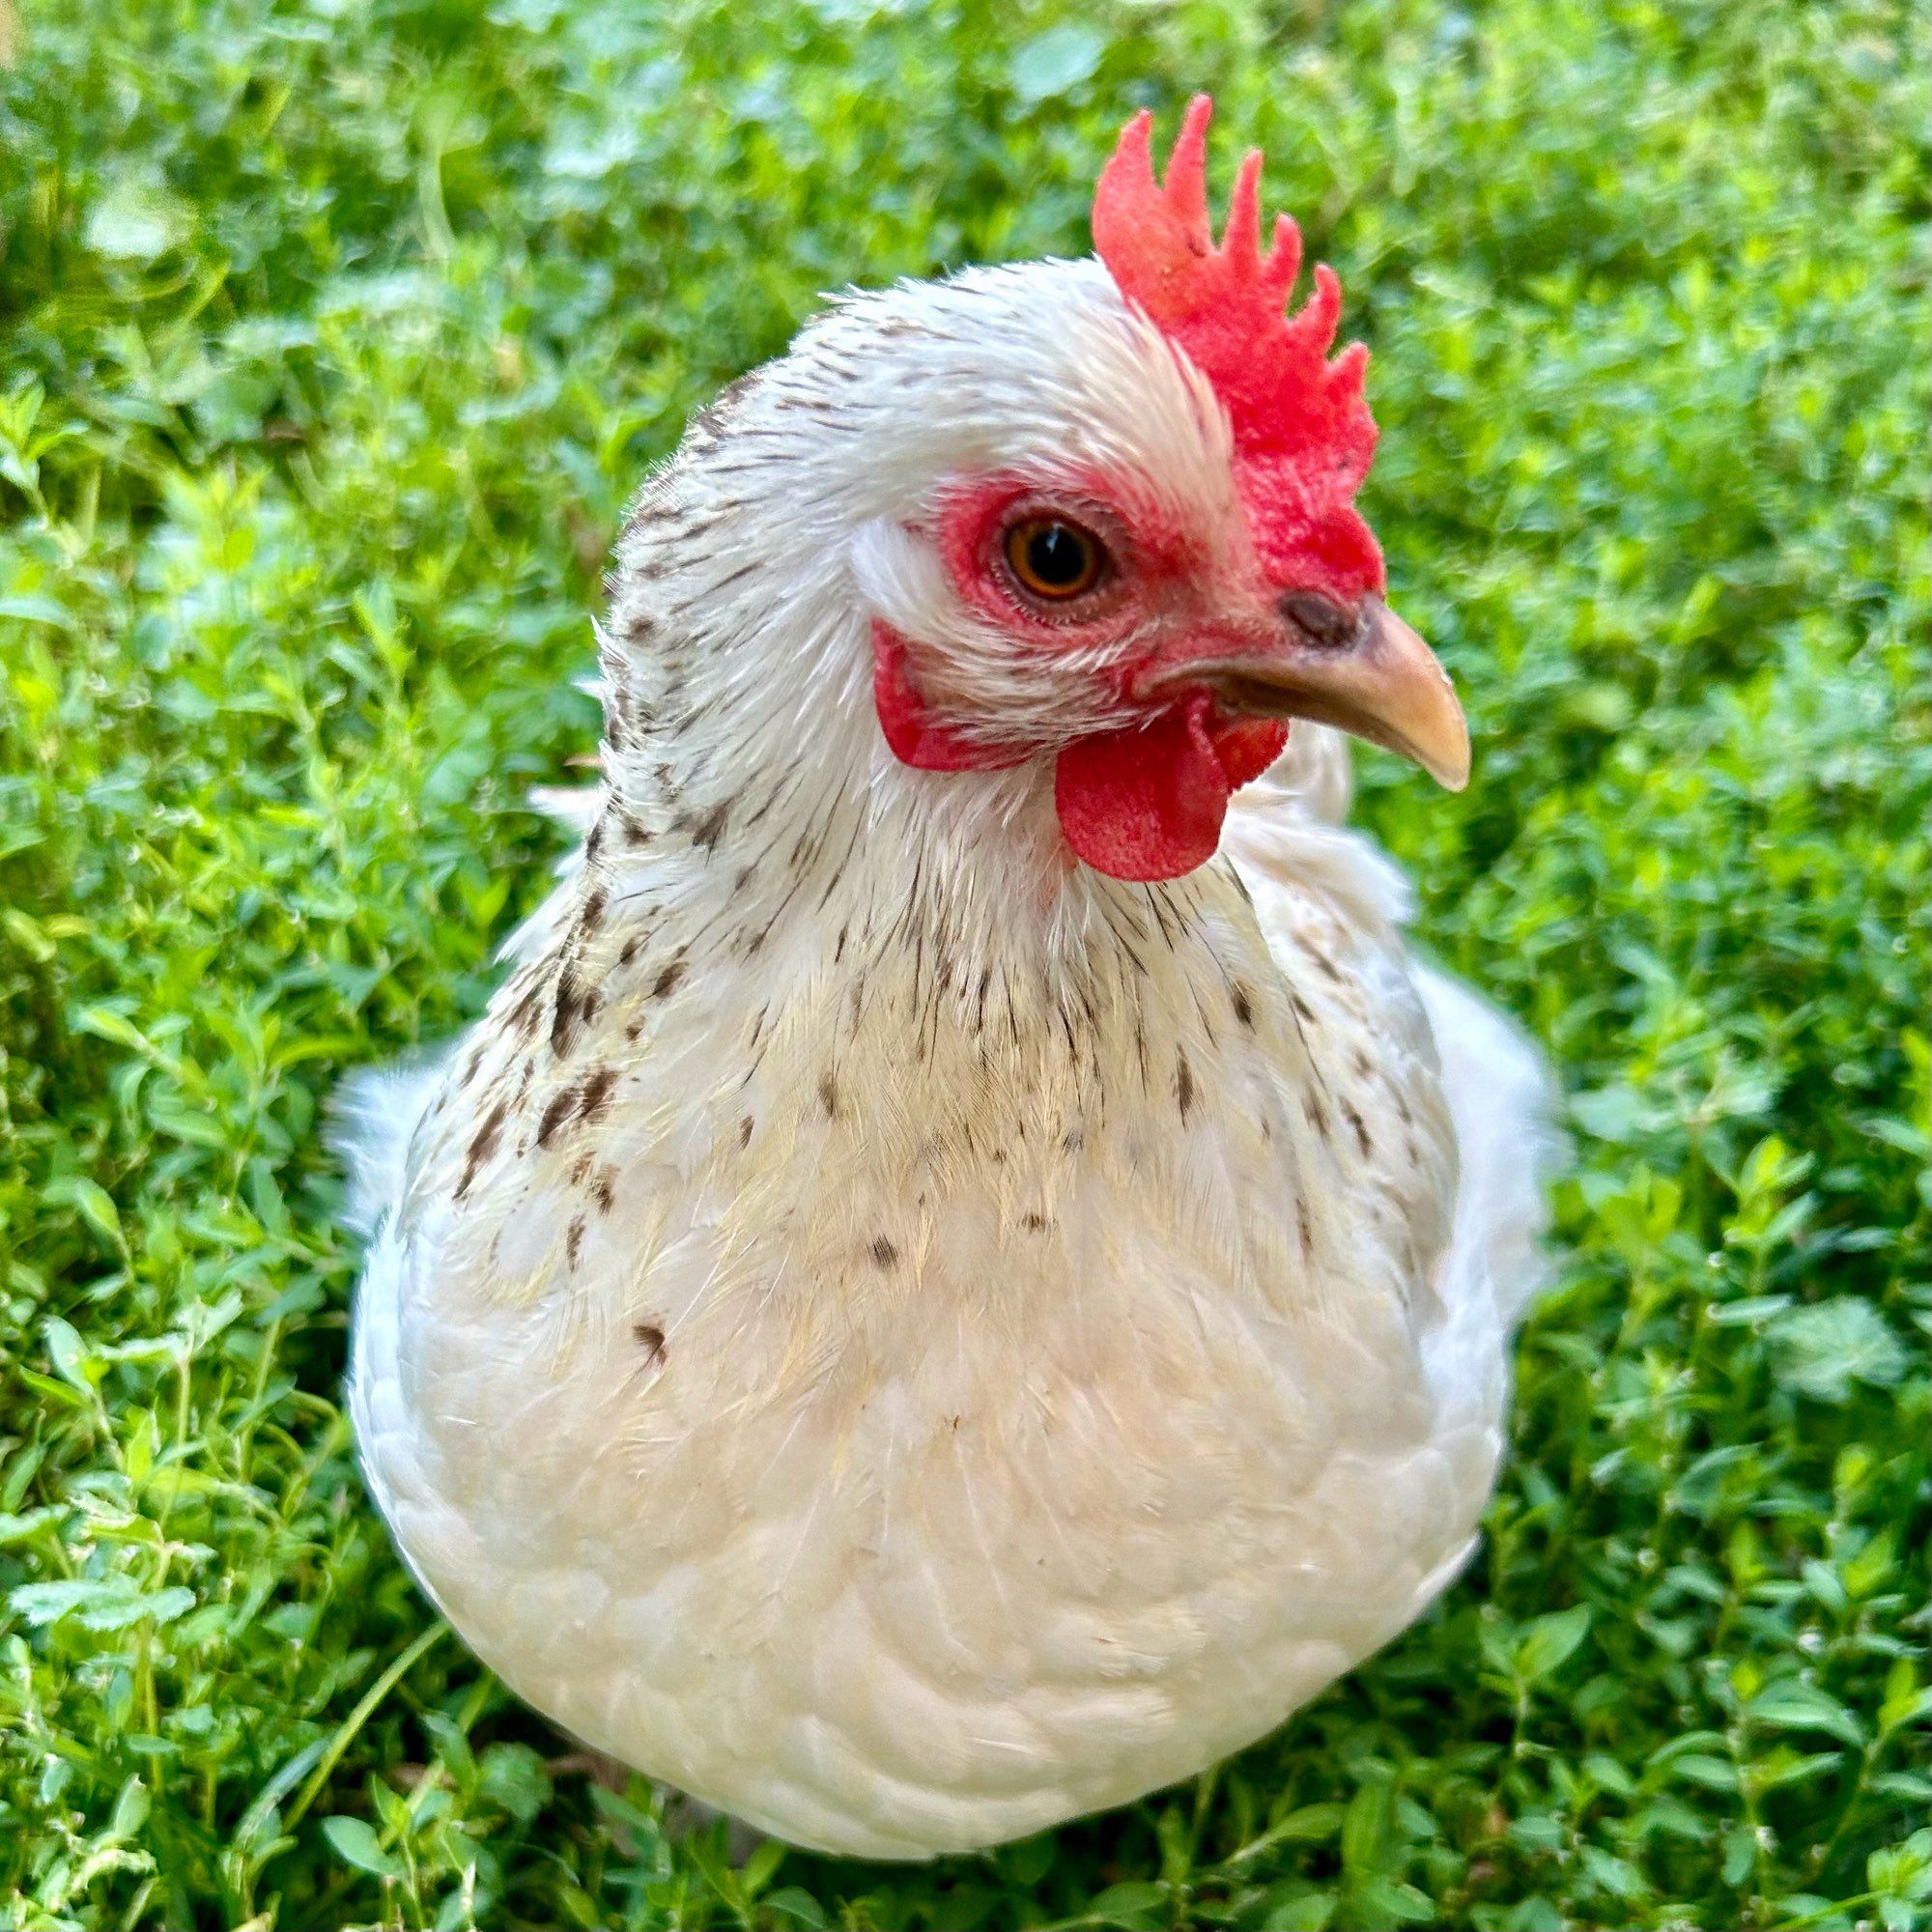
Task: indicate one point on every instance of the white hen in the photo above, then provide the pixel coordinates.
(939, 1296)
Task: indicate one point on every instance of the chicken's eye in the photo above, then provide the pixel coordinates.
(1054, 558)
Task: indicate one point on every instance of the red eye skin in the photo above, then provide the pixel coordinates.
(971, 530)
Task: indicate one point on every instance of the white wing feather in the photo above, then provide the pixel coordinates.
(1500, 1089)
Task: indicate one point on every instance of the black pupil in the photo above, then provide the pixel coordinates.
(1056, 556)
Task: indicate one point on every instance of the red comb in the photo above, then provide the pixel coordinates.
(1303, 429)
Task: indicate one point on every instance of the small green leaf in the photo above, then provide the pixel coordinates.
(1902, 1877)
(757, 1870)
(38, 610)
(130, 1812)
(164, 1607)
(1368, 1828)
(97, 1206)
(1793, 1705)
(1827, 1347)
(1617, 1876)
(143, 1441)
(25, 933)
(1055, 62)
(30, 1523)
(1740, 1854)
(1381, 1899)
(1711, 1774)
(1549, 1641)
(794, 1902)
(104, 1023)
(513, 1775)
(1788, 1767)
(453, 1747)
(355, 1843)
(76, 1365)
(1309, 1824)
(1131, 1905)
(1296, 1907)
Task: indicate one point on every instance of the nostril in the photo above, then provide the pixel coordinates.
(1320, 619)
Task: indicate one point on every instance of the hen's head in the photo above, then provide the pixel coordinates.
(1099, 516)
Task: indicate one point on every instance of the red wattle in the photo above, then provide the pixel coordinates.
(915, 737)
(1145, 804)
(1247, 746)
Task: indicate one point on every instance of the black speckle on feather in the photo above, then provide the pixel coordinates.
(557, 1109)
(482, 1147)
(594, 1092)
(576, 1007)
(708, 829)
(525, 1017)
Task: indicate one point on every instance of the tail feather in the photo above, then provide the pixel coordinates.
(375, 1110)
(1502, 1099)
(372, 1115)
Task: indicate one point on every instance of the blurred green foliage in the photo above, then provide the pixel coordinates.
(335, 335)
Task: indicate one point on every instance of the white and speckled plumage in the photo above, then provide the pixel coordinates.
(895, 1333)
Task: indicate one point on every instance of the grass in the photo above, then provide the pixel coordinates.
(334, 337)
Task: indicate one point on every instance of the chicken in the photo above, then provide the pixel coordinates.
(966, 1272)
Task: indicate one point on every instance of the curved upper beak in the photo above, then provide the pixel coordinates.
(1383, 683)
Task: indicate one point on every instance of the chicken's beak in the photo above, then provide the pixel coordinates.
(1383, 683)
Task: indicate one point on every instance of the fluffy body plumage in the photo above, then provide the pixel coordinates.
(897, 1332)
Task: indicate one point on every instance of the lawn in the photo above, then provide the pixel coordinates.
(333, 337)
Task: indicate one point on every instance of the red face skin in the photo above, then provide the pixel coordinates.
(1146, 800)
